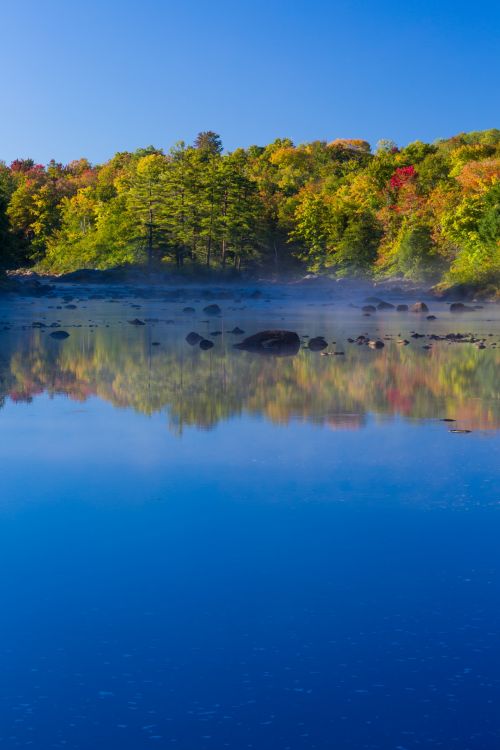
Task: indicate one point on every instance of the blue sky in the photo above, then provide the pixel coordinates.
(91, 78)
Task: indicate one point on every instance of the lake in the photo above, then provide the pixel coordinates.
(220, 549)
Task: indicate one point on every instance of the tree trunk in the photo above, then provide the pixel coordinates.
(150, 232)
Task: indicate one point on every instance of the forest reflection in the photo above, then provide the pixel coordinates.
(200, 388)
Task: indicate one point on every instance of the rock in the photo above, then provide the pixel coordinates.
(189, 310)
(237, 331)
(206, 344)
(431, 317)
(369, 309)
(279, 343)
(419, 307)
(376, 344)
(317, 344)
(385, 306)
(459, 291)
(70, 307)
(136, 322)
(59, 335)
(193, 338)
(459, 307)
(212, 310)
(402, 308)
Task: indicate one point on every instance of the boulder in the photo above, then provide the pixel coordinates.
(278, 342)
(459, 307)
(193, 338)
(376, 344)
(317, 344)
(402, 308)
(212, 310)
(206, 344)
(385, 305)
(419, 307)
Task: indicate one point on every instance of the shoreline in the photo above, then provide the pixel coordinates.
(140, 282)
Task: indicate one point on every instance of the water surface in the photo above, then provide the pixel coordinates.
(218, 549)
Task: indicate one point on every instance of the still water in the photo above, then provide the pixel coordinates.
(215, 549)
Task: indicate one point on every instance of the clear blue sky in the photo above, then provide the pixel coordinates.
(91, 78)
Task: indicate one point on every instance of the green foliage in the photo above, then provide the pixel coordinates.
(414, 253)
(418, 211)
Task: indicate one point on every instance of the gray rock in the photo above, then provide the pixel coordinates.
(279, 343)
(206, 344)
(212, 310)
(419, 307)
(193, 338)
(459, 307)
(317, 344)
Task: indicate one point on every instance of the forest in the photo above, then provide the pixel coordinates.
(426, 212)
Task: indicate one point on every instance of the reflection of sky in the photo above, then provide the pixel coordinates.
(97, 452)
(276, 587)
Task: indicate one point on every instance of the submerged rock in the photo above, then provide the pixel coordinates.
(212, 310)
(206, 344)
(279, 343)
(59, 335)
(317, 344)
(193, 338)
(136, 322)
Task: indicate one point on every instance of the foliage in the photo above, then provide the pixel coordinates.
(424, 210)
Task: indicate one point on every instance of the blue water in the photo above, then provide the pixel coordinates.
(272, 582)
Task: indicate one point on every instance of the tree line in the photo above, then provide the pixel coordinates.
(423, 211)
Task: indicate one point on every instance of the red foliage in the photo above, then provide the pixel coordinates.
(401, 176)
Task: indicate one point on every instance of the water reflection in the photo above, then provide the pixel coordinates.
(194, 387)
